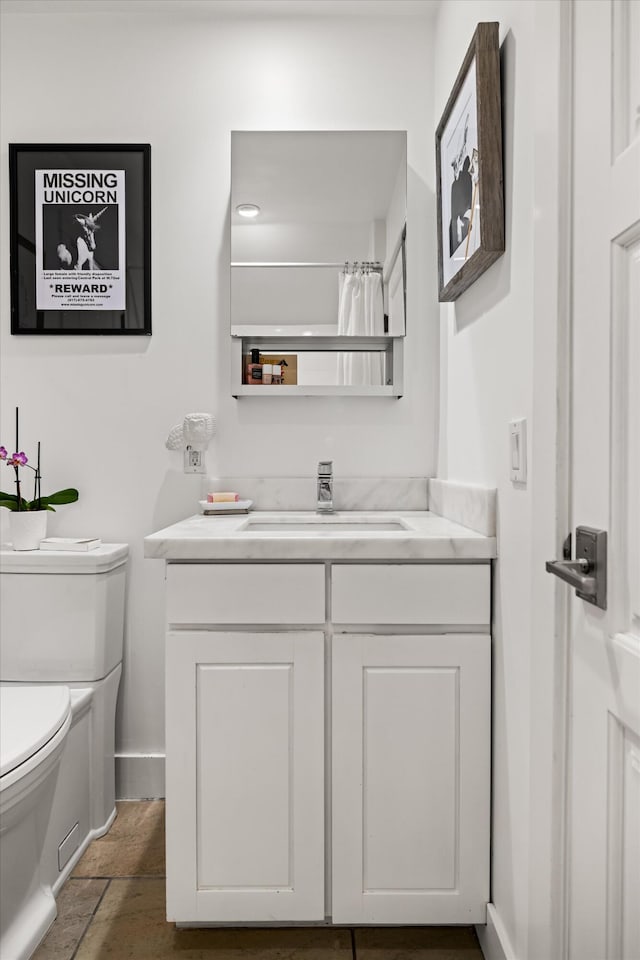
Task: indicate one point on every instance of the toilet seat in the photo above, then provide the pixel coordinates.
(34, 723)
(30, 720)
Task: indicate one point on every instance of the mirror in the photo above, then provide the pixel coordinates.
(318, 233)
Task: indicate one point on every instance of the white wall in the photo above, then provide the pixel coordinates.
(102, 407)
(396, 215)
(335, 242)
(497, 364)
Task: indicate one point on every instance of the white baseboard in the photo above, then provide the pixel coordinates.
(494, 942)
(139, 776)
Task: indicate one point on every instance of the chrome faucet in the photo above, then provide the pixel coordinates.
(325, 487)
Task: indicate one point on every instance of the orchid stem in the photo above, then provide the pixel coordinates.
(16, 468)
(36, 486)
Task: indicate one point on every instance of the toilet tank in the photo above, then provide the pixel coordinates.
(61, 613)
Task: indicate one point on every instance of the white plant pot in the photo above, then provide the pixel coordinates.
(27, 528)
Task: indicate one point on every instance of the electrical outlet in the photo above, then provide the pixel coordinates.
(193, 461)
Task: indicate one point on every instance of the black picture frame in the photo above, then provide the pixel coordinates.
(61, 195)
(469, 177)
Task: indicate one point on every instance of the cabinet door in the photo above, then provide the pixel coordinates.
(411, 776)
(245, 776)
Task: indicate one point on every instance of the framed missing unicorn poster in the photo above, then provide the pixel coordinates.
(469, 169)
(80, 224)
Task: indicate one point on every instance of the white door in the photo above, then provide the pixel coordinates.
(245, 776)
(603, 828)
(410, 781)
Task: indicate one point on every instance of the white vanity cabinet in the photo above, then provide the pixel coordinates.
(410, 786)
(328, 742)
(245, 776)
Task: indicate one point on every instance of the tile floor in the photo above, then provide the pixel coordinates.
(112, 908)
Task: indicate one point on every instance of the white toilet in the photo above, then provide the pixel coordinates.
(61, 640)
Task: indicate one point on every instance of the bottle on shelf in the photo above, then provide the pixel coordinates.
(254, 369)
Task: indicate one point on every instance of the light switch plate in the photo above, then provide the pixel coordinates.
(518, 450)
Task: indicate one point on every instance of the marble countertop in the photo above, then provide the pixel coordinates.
(422, 536)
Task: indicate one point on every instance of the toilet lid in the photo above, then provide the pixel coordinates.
(29, 718)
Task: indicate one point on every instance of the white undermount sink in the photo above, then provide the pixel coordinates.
(323, 524)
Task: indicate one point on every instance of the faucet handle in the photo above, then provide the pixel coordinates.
(325, 468)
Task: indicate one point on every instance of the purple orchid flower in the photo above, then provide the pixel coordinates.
(18, 502)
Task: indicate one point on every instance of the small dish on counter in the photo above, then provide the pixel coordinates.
(226, 508)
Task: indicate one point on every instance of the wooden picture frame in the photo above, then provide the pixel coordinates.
(469, 179)
(80, 239)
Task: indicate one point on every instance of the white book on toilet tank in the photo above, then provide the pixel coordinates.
(70, 543)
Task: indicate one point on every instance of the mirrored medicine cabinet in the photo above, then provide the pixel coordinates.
(318, 262)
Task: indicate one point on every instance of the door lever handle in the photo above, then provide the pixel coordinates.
(574, 572)
(588, 572)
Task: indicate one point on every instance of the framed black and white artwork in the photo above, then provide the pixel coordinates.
(469, 169)
(80, 225)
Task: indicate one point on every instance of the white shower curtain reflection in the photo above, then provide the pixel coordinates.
(360, 314)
